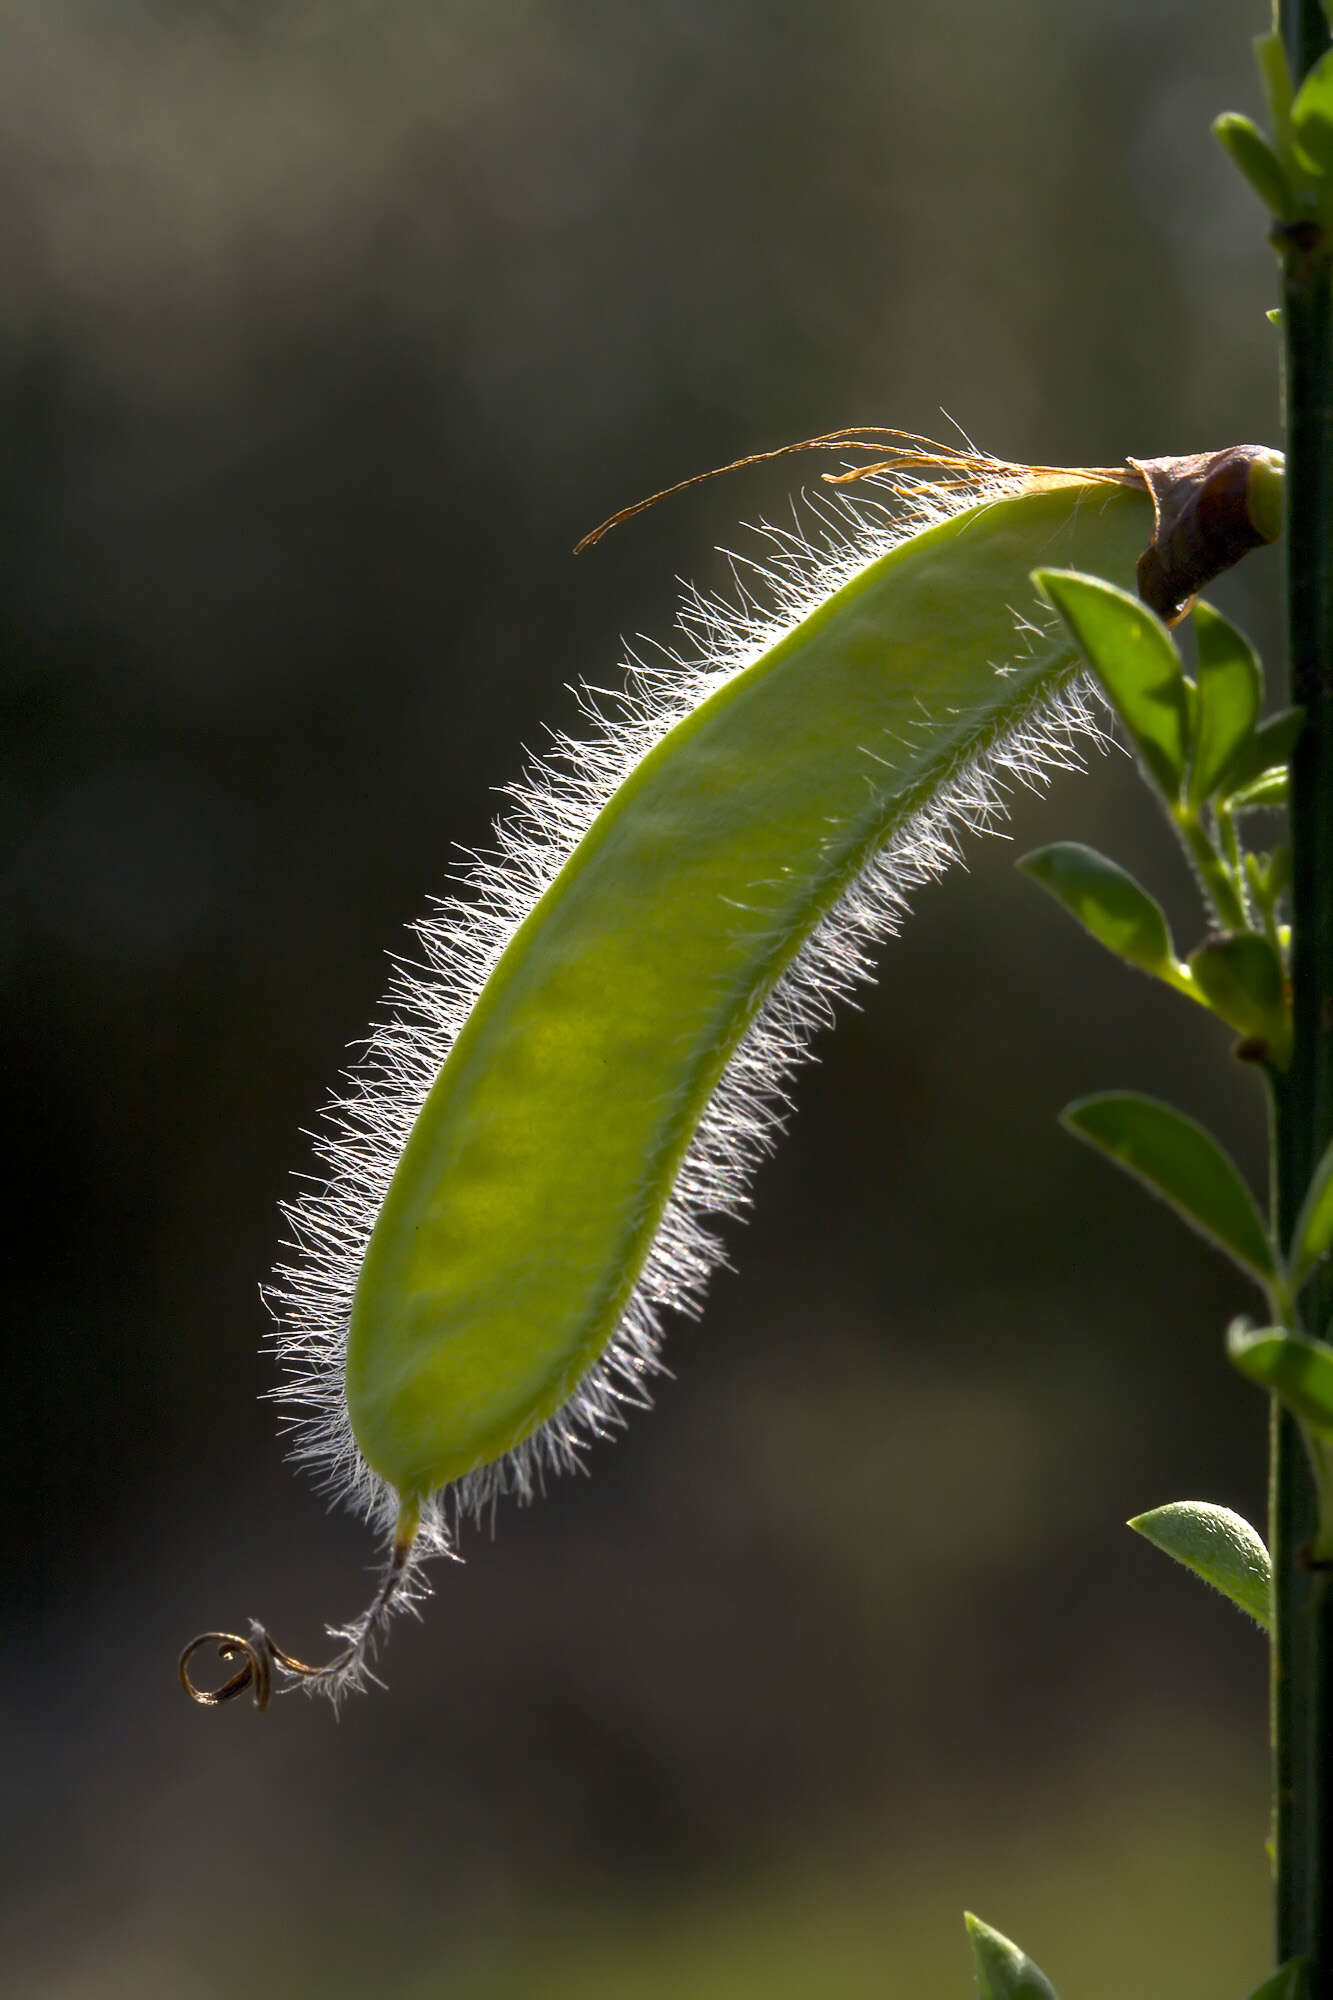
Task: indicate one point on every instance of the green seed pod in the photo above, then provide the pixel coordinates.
(529, 1238)
(595, 1054)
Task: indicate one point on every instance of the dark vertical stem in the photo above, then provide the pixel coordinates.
(1305, 34)
(1303, 1632)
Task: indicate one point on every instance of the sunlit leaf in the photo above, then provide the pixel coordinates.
(1247, 147)
(1135, 659)
(1106, 901)
(1312, 1237)
(1298, 1372)
(1269, 792)
(1231, 686)
(1217, 1545)
(1267, 749)
(1270, 56)
(1003, 1971)
(1241, 978)
(1312, 118)
(1176, 1159)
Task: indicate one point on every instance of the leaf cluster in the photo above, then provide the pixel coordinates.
(1212, 762)
(1291, 171)
(1204, 750)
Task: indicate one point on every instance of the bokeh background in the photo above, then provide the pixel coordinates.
(326, 329)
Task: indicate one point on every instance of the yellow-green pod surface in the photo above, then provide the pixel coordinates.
(532, 1188)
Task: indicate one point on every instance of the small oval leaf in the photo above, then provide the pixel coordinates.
(1269, 793)
(1217, 1545)
(1312, 1237)
(1268, 749)
(1135, 659)
(1297, 1371)
(1176, 1159)
(1231, 687)
(1247, 147)
(1003, 1971)
(1312, 119)
(1268, 877)
(1106, 901)
(1270, 56)
(1242, 980)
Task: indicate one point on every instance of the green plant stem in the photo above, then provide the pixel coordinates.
(1211, 870)
(1230, 844)
(1303, 26)
(1303, 1101)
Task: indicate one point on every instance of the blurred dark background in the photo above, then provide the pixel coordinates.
(326, 330)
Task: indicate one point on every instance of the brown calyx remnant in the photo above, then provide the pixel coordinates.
(1205, 521)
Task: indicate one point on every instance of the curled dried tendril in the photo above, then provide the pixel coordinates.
(261, 1655)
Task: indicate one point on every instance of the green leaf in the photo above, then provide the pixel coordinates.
(1270, 57)
(1175, 1158)
(1248, 149)
(1312, 1238)
(1191, 709)
(1312, 119)
(1268, 749)
(1003, 1971)
(1231, 687)
(1135, 659)
(1241, 978)
(1289, 1982)
(1297, 1371)
(1268, 792)
(1217, 1545)
(1269, 877)
(1106, 901)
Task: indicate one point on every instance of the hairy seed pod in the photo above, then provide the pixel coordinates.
(523, 1170)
